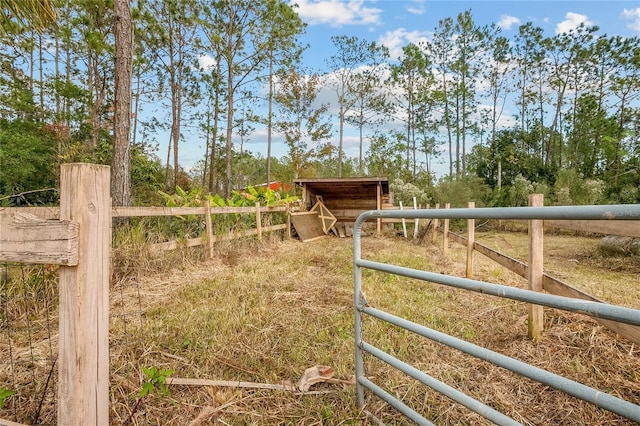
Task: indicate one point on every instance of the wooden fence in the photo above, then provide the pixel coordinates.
(78, 237)
(209, 238)
(533, 269)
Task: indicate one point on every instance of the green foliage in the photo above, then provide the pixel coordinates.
(519, 192)
(384, 156)
(572, 95)
(5, 393)
(180, 198)
(267, 197)
(405, 192)
(458, 192)
(155, 381)
(571, 189)
(222, 223)
(27, 159)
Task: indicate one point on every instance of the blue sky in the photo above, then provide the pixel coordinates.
(397, 23)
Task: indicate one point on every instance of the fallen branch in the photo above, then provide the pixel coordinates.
(230, 384)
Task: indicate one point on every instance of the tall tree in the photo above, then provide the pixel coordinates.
(412, 82)
(352, 52)
(440, 49)
(625, 86)
(528, 51)
(469, 42)
(94, 22)
(170, 33)
(565, 51)
(235, 29)
(497, 75)
(370, 104)
(284, 26)
(302, 124)
(120, 165)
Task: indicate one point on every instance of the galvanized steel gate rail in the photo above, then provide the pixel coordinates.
(595, 309)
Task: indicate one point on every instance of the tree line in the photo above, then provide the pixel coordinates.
(557, 114)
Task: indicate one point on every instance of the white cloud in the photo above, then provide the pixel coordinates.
(506, 22)
(206, 62)
(632, 15)
(337, 13)
(572, 21)
(395, 40)
(417, 8)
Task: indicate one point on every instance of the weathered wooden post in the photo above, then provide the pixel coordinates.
(208, 223)
(288, 230)
(416, 221)
(258, 221)
(434, 236)
(471, 236)
(404, 222)
(379, 207)
(83, 359)
(445, 233)
(535, 269)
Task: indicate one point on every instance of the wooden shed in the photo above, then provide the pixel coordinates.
(346, 198)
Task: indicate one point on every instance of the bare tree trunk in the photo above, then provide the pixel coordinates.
(341, 100)
(213, 187)
(41, 77)
(206, 151)
(229, 144)
(120, 173)
(269, 119)
(230, 92)
(136, 108)
(213, 184)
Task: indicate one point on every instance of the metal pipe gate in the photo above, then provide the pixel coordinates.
(600, 310)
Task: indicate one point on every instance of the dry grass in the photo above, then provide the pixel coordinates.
(265, 312)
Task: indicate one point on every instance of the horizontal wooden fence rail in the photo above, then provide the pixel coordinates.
(622, 228)
(30, 239)
(43, 215)
(49, 213)
(185, 211)
(549, 284)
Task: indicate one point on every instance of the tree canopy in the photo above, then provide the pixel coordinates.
(515, 113)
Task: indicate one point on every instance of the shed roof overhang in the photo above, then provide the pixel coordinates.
(360, 188)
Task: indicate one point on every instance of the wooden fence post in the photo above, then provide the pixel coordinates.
(416, 221)
(404, 222)
(379, 207)
(445, 233)
(535, 269)
(288, 230)
(435, 227)
(208, 224)
(83, 354)
(258, 222)
(471, 236)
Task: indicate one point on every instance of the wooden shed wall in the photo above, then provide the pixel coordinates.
(346, 200)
